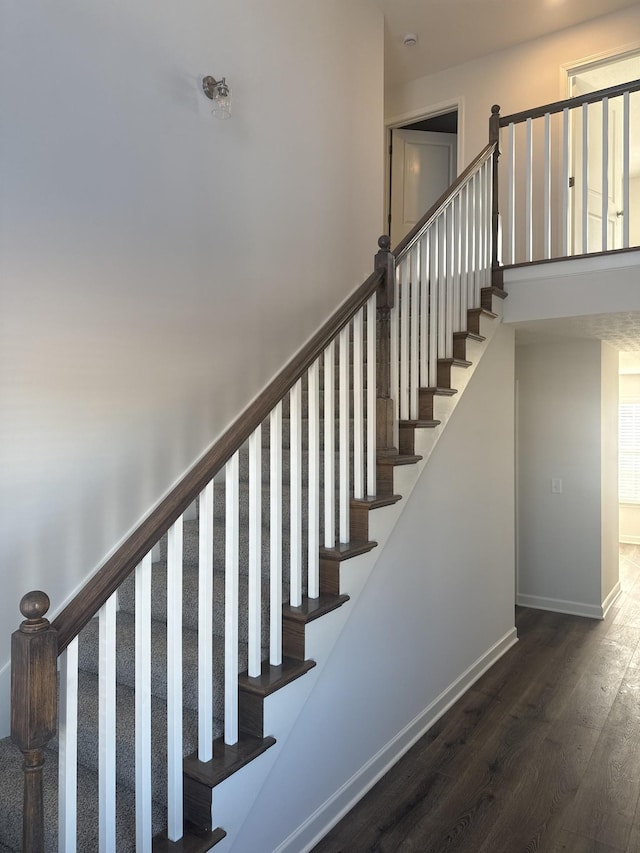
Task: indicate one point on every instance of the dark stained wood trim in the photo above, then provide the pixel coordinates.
(629, 249)
(115, 570)
(193, 841)
(558, 106)
(226, 759)
(413, 235)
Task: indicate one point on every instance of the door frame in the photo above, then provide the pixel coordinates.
(573, 68)
(449, 106)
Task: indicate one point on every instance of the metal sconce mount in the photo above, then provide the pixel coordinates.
(219, 92)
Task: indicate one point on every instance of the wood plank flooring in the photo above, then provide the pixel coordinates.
(542, 755)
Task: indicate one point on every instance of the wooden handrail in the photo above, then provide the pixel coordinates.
(405, 244)
(559, 106)
(109, 577)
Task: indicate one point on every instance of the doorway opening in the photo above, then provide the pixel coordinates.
(423, 159)
(622, 211)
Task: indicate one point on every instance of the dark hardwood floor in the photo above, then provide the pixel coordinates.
(542, 754)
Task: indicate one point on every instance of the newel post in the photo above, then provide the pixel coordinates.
(34, 655)
(496, 242)
(385, 261)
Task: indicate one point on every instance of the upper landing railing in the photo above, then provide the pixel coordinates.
(570, 169)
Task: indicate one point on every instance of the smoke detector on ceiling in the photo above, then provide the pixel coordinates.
(410, 40)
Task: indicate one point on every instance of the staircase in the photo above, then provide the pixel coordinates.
(183, 636)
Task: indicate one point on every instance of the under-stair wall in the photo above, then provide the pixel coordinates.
(436, 610)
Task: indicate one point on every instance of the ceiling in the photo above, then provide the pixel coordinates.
(622, 330)
(454, 31)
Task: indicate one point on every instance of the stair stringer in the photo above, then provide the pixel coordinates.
(234, 797)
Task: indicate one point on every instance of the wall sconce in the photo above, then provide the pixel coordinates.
(220, 93)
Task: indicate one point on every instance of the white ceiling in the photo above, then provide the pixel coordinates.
(622, 331)
(454, 31)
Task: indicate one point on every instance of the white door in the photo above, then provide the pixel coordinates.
(423, 166)
(584, 78)
(592, 241)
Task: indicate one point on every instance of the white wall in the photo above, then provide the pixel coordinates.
(564, 562)
(609, 519)
(629, 388)
(158, 266)
(520, 77)
(439, 598)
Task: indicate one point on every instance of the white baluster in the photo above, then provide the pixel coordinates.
(394, 356)
(626, 211)
(174, 680)
(313, 509)
(254, 634)
(275, 535)
(405, 285)
(329, 447)
(585, 177)
(413, 334)
(295, 494)
(443, 259)
(205, 625)
(343, 415)
(68, 749)
(358, 413)
(605, 174)
(547, 185)
(423, 376)
(107, 726)
(371, 397)
(474, 285)
(434, 269)
(143, 576)
(489, 220)
(477, 230)
(457, 262)
(450, 303)
(231, 595)
(566, 213)
(528, 228)
(511, 196)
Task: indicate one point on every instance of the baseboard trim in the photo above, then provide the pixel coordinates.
(610, 600)
(630, 540)
(557, 605)
(312, 830)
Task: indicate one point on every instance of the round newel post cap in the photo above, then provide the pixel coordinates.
(495, 110)
(33, 607)
(384, 243)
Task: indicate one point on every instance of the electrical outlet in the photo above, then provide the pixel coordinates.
(556, 486)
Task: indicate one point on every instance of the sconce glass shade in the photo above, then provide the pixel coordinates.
(219, 92)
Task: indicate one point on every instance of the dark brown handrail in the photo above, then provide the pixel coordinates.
(110, 576)
(558, 106)
(444, 199)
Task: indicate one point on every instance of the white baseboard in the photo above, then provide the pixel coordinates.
(610, 599)
(557, 605)
(627, 539)
(309, 833)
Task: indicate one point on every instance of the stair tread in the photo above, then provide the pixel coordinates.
(455, 362)
(421, 424)
(438, 390)
(344, 551)
(399, 459)
(473, 335)
(226, 759)
(193, 841)
(376, 501)
(273, 677)
(313, 608)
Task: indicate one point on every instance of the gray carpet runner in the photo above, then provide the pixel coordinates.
(11, 778)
